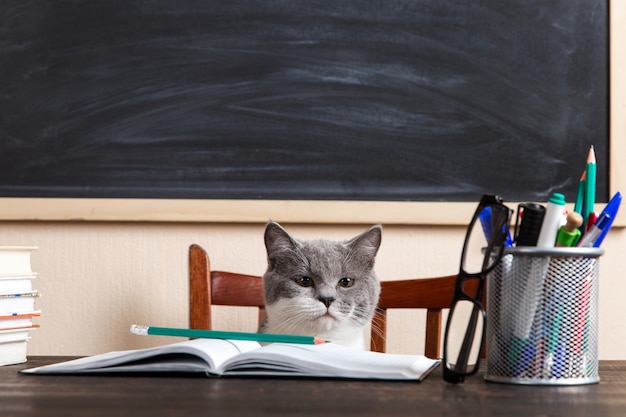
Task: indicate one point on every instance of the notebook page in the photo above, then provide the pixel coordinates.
(332, 360)
(212, 351)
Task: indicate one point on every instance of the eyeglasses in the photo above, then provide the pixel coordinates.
(482, 250)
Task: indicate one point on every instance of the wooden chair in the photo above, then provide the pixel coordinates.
(209, 288)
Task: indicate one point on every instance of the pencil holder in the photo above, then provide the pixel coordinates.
(542, 317)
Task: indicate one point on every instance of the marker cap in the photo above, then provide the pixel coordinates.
(557, 198)
(566, 238)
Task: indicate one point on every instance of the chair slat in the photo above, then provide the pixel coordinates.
(231, 289)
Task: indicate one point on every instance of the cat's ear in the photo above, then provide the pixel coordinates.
(278, 241)
(365, 246)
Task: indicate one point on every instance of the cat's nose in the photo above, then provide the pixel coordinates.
(326, 300)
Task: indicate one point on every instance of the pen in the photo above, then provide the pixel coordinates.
(525, 358)
(559, 361)
(217, 334)
(485, 222)
(591, 220)
(487, 225)
(611, 209)
(589, 239)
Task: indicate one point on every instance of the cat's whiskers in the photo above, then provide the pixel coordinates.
(377, 330)
(312, 316)
(380, 334)
(285, 322)
(295, 313)
(360, 316)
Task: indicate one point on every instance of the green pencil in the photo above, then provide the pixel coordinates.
(590, 189)
(218, 334)
(580, 195)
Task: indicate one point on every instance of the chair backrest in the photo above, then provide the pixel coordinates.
(207, 288)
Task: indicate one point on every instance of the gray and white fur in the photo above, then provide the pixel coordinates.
(321, 287)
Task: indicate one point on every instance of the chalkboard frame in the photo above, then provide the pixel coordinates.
(296, 211)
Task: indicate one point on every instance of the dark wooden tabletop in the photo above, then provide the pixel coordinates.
(169, 395)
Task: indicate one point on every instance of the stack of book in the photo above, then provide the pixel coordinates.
(17, 302)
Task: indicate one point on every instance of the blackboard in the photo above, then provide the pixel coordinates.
(391, 100)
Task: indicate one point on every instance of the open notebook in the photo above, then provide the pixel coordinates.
(217, 357)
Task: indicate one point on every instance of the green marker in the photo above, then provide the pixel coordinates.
(569, 234)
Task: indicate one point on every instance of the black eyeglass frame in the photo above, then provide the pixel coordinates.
(492, 254)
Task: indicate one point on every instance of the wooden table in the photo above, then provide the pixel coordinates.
(41, 395)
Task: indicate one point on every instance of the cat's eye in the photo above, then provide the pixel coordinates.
(304, 281)
(346, 282)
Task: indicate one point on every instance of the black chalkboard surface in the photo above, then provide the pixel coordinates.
(390, 100)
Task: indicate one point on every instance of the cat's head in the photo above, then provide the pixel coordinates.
(320, 287)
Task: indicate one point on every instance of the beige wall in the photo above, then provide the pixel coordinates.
(98, 278)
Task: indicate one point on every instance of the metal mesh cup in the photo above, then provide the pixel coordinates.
(542, 317)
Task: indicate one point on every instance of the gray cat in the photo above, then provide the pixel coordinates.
(320, 287)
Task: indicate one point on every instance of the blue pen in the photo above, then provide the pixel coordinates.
(590, 238)
(611, 209)
(486, 223)
(525, 358)
(560, 360)
(509, 240)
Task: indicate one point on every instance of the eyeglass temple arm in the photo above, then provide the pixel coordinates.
(461, 364)
(468, 339)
